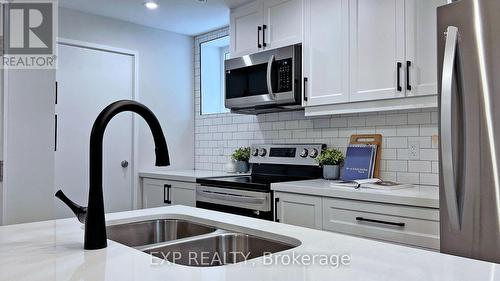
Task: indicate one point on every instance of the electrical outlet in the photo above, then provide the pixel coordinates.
(414, 150)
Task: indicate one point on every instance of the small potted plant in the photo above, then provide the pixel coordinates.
(241, 156)
(331, 159)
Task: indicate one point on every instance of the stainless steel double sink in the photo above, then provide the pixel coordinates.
(195, 244)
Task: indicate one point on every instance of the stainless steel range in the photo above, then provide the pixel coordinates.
(250, 195)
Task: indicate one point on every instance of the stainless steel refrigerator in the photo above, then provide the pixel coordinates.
(469, 83)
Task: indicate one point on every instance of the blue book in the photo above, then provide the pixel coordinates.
(359, 162)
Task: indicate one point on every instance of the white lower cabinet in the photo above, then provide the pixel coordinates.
(300, 210)
(409, 225)
(159, 193)
(396, 223)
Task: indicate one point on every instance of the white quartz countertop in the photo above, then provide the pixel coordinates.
(183, 175)
(419, 195)
(53, 250)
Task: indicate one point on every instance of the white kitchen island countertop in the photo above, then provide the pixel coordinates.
(182, 175)
(53, 250)
(419, 195)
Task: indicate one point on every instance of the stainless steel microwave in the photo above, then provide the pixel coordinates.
(264, 82)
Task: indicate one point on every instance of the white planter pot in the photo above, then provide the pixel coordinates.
(331, 172)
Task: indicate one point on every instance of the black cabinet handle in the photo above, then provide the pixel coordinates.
(408, 82)
(305, 88)
(400, 224)
(55, 132)
(166, 194)
(276, 200)
(399, 65)
(259, 28)
(264, 27)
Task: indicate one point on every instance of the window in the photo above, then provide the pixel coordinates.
(213, 53)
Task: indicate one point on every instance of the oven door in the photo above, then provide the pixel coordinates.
(264, 79)
(235, 201)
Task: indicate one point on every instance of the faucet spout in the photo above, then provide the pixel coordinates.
(95, 228)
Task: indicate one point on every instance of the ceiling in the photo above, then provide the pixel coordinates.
(188, 17)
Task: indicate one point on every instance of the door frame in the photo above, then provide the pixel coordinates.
(135, 96)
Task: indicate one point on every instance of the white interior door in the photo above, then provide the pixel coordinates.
(88, 81)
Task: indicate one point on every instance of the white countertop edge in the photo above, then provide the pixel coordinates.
(420, 196)
(183, 175)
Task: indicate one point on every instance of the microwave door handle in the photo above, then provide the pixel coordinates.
(269, 77)
(450, 190)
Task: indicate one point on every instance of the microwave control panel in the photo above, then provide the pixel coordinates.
(285, 75)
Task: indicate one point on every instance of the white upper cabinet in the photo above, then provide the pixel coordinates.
(421, 54)
(264, 25)
(246, 29)
(326, 52)
(377, 49)
(283, 23)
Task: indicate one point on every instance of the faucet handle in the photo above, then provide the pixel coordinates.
(80, 211)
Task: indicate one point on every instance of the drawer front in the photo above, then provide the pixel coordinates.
(157, 193)
(300, 210)
(401, 224)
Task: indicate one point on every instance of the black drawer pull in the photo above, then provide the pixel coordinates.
(276, 200)
(306, 80)
(264, 27)
(399, 65)
(400, 224)
(408, 82)
(166, 194)
(259, 29)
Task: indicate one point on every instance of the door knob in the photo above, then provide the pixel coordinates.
(124, 164)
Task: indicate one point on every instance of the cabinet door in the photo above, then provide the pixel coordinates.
(283, 21)
(326, 52)
(183, 193)
(245, 35)
(421, 53)
(300, 210)
(154, 193)
(377, 49)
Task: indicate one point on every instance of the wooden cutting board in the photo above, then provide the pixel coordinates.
(371, 139)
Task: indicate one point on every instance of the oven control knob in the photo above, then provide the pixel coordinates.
(255, 152)
(262, 152)
(313, 153)
(304, 153)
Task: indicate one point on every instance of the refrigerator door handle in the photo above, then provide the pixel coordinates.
(447, 158)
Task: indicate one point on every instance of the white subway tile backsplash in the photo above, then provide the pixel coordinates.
(396, 142)
(429, 154)
(420, 166)
(322, 123)
(397, 166)
(419, 118)
(356, 122)
(429, 179)
(218, 135)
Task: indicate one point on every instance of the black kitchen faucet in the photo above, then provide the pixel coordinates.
(93, 215)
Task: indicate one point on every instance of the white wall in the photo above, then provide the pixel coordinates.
(29, 146)
(165, 78)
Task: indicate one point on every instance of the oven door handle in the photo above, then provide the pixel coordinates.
(269, 77)
(234, 198)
